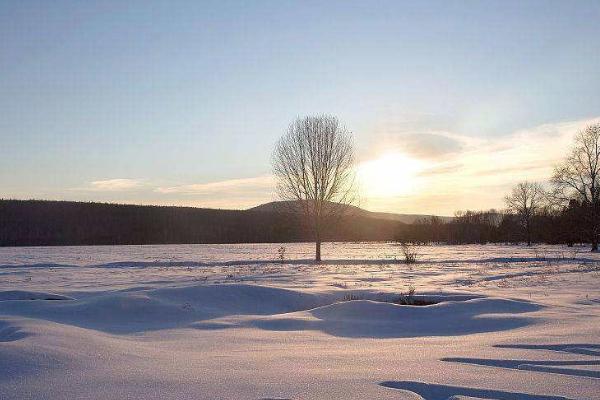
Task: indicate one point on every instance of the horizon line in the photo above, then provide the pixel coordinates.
(117, 203)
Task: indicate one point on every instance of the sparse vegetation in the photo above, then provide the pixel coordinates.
(351, 297)
(281, 254)
(409, 252)
(341, 285)
(525, 201)
(409, 299)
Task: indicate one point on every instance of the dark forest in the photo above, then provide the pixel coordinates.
(54, 223)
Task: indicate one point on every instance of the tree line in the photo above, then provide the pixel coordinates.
(493, 226)
(61, 223)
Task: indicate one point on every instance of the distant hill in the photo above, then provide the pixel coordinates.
(40, 223)
(287, 206)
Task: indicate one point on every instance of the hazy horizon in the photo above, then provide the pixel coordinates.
(147, 103)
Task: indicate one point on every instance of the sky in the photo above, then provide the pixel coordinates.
(450, 103)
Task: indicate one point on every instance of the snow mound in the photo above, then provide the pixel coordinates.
(365, 318)
(242, 299)
(143, 310)
(372, 310)
(213, 306)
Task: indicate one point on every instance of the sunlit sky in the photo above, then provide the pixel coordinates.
(180, 103)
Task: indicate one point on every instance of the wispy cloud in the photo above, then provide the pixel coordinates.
(431, 145)
(442, 168)
(230, 193)
(113, 185)
(259, 184)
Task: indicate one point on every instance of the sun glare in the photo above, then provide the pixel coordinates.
(392, 174)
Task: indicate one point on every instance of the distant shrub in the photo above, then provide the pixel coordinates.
(341, 285)
(281, 254)
(350, 297)
(409, 252)
(407, 298)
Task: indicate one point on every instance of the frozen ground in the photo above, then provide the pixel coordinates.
(232, 322)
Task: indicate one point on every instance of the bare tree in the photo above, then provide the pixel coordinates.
(578, 178)
(525, 201)
(313, 164)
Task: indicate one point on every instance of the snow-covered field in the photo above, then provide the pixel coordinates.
(234, 322)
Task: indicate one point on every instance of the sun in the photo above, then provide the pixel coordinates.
(390, 175)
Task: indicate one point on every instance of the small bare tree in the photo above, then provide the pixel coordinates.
(313, 165)
(578, 178)
(525, 201)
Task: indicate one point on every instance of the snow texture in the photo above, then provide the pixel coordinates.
(235, 322)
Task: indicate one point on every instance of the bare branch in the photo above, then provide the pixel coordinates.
(577, 178)
(313, 164)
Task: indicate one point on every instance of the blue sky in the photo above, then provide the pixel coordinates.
(181, 102)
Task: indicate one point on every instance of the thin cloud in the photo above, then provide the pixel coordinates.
(227, 187)
(511, 170)
(113, 185)
(431, 145)
(441, 169)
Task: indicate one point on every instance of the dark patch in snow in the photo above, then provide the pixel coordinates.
(576, 348)
(534, 365)
(23, 295)
(10, 333)
(430, 391)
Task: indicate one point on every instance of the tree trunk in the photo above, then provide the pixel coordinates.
(318, 250)
(594, 239)
(317, 233)
(594, 228)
